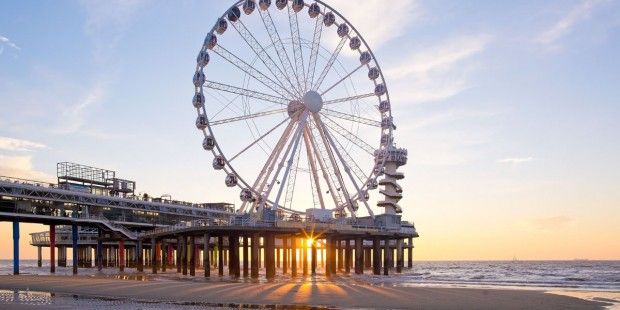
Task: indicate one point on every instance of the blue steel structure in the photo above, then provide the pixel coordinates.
(15, 247)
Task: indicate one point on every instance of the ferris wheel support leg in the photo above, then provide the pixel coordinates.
(326, 140)
(295, 144)
(313, 170)
(330, 186)
(269, 162)
(347, 169)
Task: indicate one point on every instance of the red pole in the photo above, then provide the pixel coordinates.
(52, 248)
(121, 255)
(169, 256)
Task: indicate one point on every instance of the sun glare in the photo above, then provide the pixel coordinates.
(309, 242)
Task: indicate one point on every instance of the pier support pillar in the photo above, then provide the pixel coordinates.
(39, 257)
(139, 255)
(52, 248)
(178, 256)
(410, 253)
(399, 256)
(340, 255)
(329, 243)
(313, 258)
(331, 257)
(359, 257)
(376, 256)
(121, 255)
(347, 256)
(304, 257)
(206, 261)
(294, 257)
(184, 251)
(192, 256)
(99, 251)
(387, 257)
(170, 255)
(255, 253)
(367, 258)
(246, 260)
(284, 255)
(74, 235)
(164, 255)
(220, 256)
(15, 247)
(270, 265)
(153, 256)
(233, 249)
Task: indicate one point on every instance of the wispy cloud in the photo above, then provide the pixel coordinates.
(380, 23)
(437, 72)
(4, 41)
(551, 222)
(515, 160)
(74, 116)
(582, 11)
(12, 144)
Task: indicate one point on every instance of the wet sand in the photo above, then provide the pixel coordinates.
(321, 294)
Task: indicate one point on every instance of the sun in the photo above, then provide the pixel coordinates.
(309, 242)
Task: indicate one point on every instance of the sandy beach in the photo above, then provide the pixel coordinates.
(320, 294)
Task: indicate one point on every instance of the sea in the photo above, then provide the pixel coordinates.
(598, 280)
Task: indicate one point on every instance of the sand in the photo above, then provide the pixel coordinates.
(345, 294)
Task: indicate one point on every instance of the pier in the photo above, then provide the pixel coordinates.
(108, 228)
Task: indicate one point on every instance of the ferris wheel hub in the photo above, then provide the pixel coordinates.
(313, 101)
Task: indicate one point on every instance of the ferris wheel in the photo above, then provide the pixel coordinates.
(294, 107)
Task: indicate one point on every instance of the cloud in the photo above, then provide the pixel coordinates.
(550, 222)
(21, 167)
(5, 41)
(515, 160)
(11, 144)
(565, 25)
(74, 116)
(378, 21)
(437, 72)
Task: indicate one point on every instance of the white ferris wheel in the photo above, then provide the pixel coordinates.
(294, 107)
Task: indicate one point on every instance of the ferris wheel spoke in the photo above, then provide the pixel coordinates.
(258, 140)
(353, 138)
(330, 63)
(347, 169)
(261, 179)
(276, 40)
(251, 71)
(330, 148)
(351, 117)
(246, 117)
(260, 51)
(328, 173)
(294, 143)
(347, 99)
(297, 51)
(225, 105)
(245, 92)
(353, 165)
(316, 44)
(314, 177)
(290, 184)
(341, 80)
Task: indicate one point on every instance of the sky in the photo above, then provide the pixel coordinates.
(509, 111)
